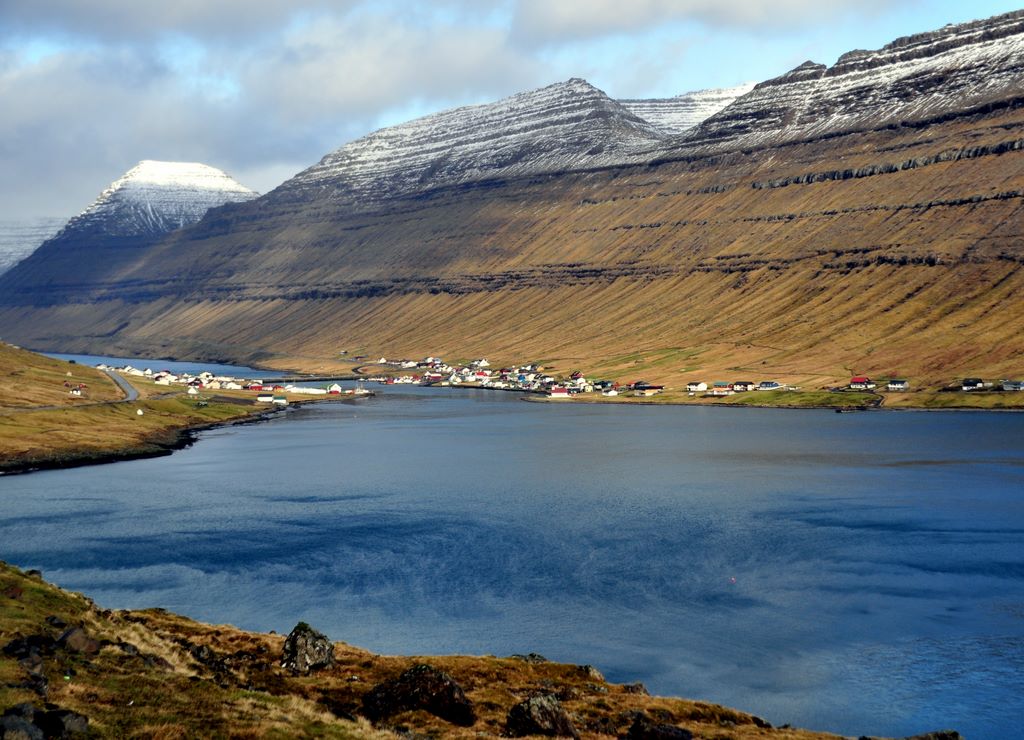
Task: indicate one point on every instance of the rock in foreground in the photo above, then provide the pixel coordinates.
(307, 650)
(540, 715)
(421, 687)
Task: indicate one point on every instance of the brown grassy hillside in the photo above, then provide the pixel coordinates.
(29, 380)
(712, 267)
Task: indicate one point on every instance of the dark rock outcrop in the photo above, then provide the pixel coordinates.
(62, 723)
(306, 650)
(77, 640)
(645, 729)
(18, 728)
(540, 715)
(421, 687)
(25, 647)
(588, 671)
(26, 722)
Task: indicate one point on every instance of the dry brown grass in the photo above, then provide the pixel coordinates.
(75, 433)
(28, 380)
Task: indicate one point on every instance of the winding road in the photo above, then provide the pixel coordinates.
(128, 388)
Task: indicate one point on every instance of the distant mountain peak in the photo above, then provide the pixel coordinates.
(562, 126)
(180, 174)
(155, 197)
(682, 112)
(954, 69)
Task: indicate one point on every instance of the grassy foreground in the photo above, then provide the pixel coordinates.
(158, 675)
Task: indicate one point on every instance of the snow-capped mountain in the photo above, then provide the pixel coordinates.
(683, 112)
(956, 69)
(569, 125)
(18, 239)
(154, 198)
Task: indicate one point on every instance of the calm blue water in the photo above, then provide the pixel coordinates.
(878, 558)
(173, 365)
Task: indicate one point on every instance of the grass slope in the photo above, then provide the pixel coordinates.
(42, 426)
(29, 380)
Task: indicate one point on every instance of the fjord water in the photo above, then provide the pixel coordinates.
(859, 573)
(177, 366)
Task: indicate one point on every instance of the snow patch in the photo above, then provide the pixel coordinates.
(155, 198)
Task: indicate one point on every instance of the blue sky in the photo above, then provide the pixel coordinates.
(264, 88)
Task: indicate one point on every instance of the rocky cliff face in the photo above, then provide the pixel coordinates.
(957, 69)
(684, 112)
(568, 126)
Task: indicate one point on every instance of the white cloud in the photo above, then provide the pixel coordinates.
(548, 21)
(344, 68)
(137, 20)
(264, 88)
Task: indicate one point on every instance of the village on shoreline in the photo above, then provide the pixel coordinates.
(533, 378)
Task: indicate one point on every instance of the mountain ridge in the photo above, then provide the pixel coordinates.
(791, 233)
(548, 129)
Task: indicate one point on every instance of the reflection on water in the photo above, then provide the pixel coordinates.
(857, 573)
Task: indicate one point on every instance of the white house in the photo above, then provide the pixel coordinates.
(696, 386)
(897, 385)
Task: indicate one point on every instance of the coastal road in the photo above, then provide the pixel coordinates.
(128, 388)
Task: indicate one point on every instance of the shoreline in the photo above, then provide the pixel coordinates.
(765, 406)
(160, 444)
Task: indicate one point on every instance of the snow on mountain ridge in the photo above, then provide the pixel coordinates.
(18, 239)
(154, 198)
(571, 126)
(956, 68)
(563, 126)
(680, 113)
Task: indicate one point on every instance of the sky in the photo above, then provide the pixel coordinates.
(264, 88)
